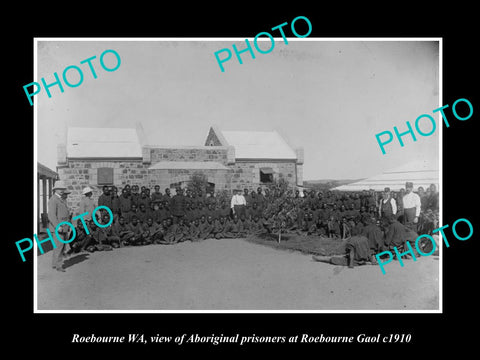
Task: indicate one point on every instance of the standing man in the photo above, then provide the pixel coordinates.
(58, 212)
(156, 196)
(167, 197)
(411, 207)
(248, 198)
(105, 199)
(260, 198)
(388, 205)
(87, 204)
(115, 203)
(238, 204)
(178, 205)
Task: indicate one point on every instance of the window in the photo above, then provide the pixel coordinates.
(266, 175)
(105, 176)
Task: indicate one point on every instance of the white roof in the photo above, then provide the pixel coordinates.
(259, 145)
(103, 143)
(190, 165)
(419, 172)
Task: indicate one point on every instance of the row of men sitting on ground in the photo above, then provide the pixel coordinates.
(289, 214)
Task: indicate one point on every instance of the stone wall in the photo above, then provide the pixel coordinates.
(218, 154)
(246, 174)
(81, 173)
(221, 178)
(78, 174)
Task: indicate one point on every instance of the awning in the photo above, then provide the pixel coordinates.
(44, 171)
(266, 170)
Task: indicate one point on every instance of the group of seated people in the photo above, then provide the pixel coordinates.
(150, 219)
(132, 231)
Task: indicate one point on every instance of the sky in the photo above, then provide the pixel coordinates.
(329, 97)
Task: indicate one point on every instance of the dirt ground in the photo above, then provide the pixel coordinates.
(230, 274)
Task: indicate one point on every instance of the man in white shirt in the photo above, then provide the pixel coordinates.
(238, 204)
(86, 205)
(411, 207)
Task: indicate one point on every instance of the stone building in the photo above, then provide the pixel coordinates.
(259, 157)
(117, 156)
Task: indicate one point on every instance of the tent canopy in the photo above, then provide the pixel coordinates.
(420, 172)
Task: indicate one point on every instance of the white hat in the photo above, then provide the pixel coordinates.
(59, 185)
(86, 190)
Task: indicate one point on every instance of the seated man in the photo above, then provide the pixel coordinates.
(256, 227)
(267, 223)
(82, 240)
(123, 231)
(164, 229)
(333, 227)
(194, 231)
(374, 235)
(397, 235)
(156, 230)
(142, 213)
(220, 228)
(176, 233)
(99, 235)
(206, 228)
(113, 238)
(234, 229)
(137, 230)
(357, 250)
(246, 224)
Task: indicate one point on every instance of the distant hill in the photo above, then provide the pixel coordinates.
(326, 184)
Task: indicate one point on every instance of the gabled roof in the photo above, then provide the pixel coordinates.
(257, 144)
(103, 143)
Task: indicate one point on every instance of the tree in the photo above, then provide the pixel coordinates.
(198, 182)
(280, 186)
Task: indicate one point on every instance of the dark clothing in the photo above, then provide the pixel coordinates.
(115, 206)
(234, 230)
(156, 197)
(206, 230)
(386, 209)
(240, 210)
(361, 248)
(105, 200)
(178, 205)
(375, 237)
(142, 216)
(125, 204)
(409, 216)
(134, 198)
(395, 235)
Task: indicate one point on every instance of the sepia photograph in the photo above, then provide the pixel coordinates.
(306, 178)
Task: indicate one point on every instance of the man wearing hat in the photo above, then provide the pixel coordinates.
(388, 205)
(58, 212)
(87, 204)
(411, 207)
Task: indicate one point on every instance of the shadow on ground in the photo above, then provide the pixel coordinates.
(75, 259)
